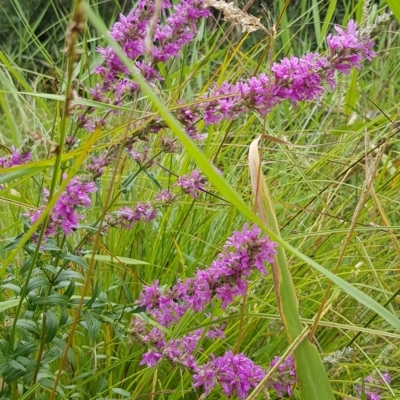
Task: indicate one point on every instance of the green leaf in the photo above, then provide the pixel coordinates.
(5, 305)
(29, 326)
(16, 289)
(51, 326)
(53, 299)
(62, 345)
(37, 282)
(92, 325)
(395, 7)
(121, 392)
(24, 172)
(114, 259)
(351, 94)
(76, 259)
(54, 353)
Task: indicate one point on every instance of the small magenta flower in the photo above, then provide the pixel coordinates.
(143, 212)
(17, 157)
(65, 212)
(164, 196)
(284, 379)
(236, 373)
(349, 48)
(224, 279)
(192, 184)
(150, 358)
(372, 389)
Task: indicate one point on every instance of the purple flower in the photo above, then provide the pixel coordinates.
(192, 184)
(150, 358)
(17, 157)
(372, 389)
(143, 212)
(285, 378)
(224, 279)
(150, 296)
(295, 79)
(165, 196)
(236, 373)
(349, 48)
(96, 166)
(64, 214)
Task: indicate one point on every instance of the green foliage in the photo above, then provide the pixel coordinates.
(66, 305)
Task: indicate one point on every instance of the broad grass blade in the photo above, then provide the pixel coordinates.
(313, 380)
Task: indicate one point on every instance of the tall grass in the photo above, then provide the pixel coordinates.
(332, 171)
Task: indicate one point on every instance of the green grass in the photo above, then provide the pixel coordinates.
(316, 185)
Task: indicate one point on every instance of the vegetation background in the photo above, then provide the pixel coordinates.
(332, 168)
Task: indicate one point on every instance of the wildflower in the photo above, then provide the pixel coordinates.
(165, 196)
(224, 279)
(64, 214)
(192, 184)
(17, 157)
(96, 166)
(285, 378)
(349, 48)
(372, 390)
(143, 212)
(150, 358)
(236, 373)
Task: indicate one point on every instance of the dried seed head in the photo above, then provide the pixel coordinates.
(235, 15)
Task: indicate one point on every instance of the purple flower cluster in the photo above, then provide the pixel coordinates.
(285, 378)
(349, 48)
(64, 214)
(139, 35)
(192, 184)
(235, 372)
(295, 79)
(372, 390)
(224, 279)
(17, 157)
(127, 217)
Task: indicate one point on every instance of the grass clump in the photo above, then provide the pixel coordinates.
(189, 211)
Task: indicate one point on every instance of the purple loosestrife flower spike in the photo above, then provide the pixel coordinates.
(236, 373)
(295, 79)
(128, 217)
(64, 214)
(192, 184)
(225, 278)
(285, 378)
(372, 391)
(17, 157)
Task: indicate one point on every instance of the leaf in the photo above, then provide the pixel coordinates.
(53, 299)
(49, 384)
(395, 7)
(67, 275)
(62, 345)
(121, 392)
(37, 282)
(16, 289)
(113, 259)
(76, 259)
(92, 325)
(54, 353)
(51, 321)
(351, 94)
(10, 176)
(5, 305)
(29, 326)
(313, 379)
(13, 243)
